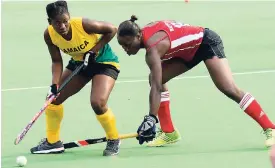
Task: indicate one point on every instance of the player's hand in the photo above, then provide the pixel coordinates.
(89, 58)
(147, 129)
(52, 91)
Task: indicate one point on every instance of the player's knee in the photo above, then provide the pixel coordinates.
(61, 98)
(57, 102)
(99, 105)
(233, 92)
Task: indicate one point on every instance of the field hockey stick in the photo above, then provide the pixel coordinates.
(49, 101)
(86, 142)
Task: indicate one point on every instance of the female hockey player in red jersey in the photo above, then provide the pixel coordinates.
(172, 48)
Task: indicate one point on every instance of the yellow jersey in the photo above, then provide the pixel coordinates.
(80, 43)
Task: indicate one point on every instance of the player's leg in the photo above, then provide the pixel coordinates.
(102, 85)
(54, 114)
(164, 114)
(167, 134)
(221, 75)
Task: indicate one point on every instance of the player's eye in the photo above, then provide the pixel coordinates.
(66, 21)
(57, 22)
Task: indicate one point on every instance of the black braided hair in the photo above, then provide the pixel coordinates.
(129, 27)
(56, 8)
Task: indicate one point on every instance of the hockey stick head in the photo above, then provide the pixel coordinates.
(19, 138)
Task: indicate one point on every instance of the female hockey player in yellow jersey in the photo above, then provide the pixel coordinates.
(75, 37)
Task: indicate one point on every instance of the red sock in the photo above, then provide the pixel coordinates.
(164, 116)
(254, 110)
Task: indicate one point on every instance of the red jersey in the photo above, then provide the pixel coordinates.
(184, 39)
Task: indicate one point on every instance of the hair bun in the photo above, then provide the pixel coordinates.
(133, 18)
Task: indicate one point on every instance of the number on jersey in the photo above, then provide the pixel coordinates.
(173, 24)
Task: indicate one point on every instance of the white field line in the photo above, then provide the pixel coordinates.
(143, 80)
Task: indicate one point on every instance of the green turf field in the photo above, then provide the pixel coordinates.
(216, 133)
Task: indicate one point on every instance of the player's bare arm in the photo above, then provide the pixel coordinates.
(57, 62)
(154, 63)
(107, 30)
(153, 60)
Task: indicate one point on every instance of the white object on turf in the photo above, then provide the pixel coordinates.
(21, 161)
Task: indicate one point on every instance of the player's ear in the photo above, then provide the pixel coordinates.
(139, 36)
